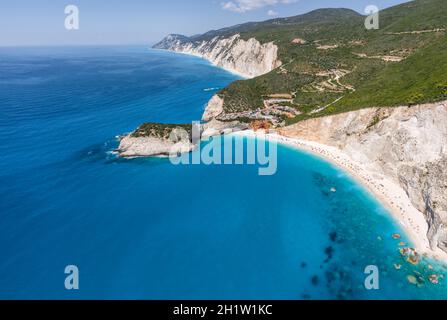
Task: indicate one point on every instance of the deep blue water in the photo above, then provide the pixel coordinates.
(145, 228)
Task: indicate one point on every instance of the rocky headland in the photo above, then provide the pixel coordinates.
(407, 145)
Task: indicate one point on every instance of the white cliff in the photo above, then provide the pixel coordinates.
(178, 141)
(248, 58)
(405, 144)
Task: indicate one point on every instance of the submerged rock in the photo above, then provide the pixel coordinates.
(414, 259)
(434, 279)
(411, 255)
(412, 279)
(333, 236)
(329, 251)
(416, 279)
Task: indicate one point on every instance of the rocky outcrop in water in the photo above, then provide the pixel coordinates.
(133, 147)
(249, 57)
(407, 144)
(154, 139)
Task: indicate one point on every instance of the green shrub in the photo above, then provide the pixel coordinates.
(331, 109)
(415, 98)
(442, 87)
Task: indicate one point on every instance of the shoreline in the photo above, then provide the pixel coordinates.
(388, 193)
(232, 71)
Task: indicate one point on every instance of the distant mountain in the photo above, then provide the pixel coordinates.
(249, 29)
(166, 42)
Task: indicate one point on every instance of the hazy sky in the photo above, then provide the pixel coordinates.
(41, 22)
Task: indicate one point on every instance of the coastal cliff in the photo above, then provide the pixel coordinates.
(405, 144)
(153, 139)
(248, 58)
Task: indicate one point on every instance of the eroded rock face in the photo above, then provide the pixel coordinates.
(178, 142)
(249, 58)
(427, 187)
(167, 140)
(407, 144)
(215, 128)
(213, 109)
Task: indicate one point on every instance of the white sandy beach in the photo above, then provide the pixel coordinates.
(385, 190)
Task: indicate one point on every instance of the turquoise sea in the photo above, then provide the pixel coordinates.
(146, 229)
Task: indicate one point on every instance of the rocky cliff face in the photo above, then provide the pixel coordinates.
(213, 109)
(407, 144)
(156, 140)
(248, 58)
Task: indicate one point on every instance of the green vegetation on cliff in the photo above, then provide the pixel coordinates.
(333, 64)
(159, 130)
